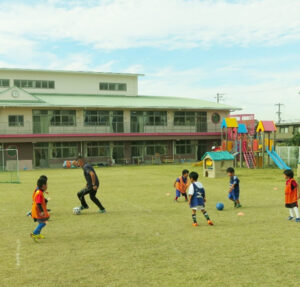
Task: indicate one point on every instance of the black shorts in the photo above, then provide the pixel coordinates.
(291, 205)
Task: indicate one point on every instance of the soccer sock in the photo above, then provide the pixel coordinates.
(291, 212)
(39, 228)
(185, 197)
(296, 210)
(176, 197)
(206, 215)
(194, 218)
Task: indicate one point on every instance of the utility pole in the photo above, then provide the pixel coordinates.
(219, 97)
(279, 112)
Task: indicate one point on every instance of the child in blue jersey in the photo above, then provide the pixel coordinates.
(197, 198)
(234, 190)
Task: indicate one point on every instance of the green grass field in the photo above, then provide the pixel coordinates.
(145, 238)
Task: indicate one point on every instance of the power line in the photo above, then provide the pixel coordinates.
(279, 111)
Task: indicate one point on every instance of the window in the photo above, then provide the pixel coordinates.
(16, 121)
(183, 147)
(137, 149)
(184, 119)
(153, 148)
(96, 118)
(156, 118)
(64, 150)
(201, 122)
(34, 84)
(112, 86)
(117, 121)
(63, 118)
(97, 149)
(4, 83)
(284, 130)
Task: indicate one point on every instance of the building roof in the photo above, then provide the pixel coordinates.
(26, 99)
(242, 129)
(70, 72)
(296, 123)
(229, 123)
(266, 126)
(218, 155)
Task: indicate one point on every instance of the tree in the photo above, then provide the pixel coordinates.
(295, 141)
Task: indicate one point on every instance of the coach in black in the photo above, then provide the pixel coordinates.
(92, 185)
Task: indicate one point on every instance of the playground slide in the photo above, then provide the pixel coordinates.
(277, 159)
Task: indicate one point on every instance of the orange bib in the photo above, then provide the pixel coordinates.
(290, 194)
(35, 212)
(181, 186)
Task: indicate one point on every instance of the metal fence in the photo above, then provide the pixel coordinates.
(289, 154)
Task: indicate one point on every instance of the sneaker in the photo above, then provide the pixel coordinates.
(82, 207)
(210, 222)
(238, 205)
(28, 213)
(34, 237)
(48, 210)
(297, 219)
(195, 224)
(291, 218)
(102, 211)
(235, 204)
(40, 236)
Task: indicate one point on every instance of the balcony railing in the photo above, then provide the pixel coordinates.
(115, 128)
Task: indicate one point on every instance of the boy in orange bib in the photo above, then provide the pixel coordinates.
(291, 195)
(39, 211)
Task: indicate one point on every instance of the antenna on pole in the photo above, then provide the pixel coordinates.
(219, 97)
(279, 112)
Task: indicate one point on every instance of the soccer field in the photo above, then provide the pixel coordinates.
(145, 238)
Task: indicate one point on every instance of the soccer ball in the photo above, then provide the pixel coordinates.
(220, 206)
(76, 210)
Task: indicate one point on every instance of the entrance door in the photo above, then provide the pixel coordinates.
(118, 153)
(137, 122)
(41, 157)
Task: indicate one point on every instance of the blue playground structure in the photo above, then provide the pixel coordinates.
(277, 159)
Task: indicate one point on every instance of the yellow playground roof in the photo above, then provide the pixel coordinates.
(229, 123)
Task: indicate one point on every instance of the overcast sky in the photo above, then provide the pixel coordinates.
(248, 49)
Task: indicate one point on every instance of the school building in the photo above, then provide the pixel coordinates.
(53, 116)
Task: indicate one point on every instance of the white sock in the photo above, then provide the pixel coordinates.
(296, 210)
(291, 212)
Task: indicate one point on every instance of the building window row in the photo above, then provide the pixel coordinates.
(112, 86)
(34, 84)
(4, 83)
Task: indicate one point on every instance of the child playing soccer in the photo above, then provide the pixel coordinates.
(291, 195)
(39, 211)
(197, 198)
(234, 190)
(36, 188)
(181, 184)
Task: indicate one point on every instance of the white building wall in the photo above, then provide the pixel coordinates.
(73, 83)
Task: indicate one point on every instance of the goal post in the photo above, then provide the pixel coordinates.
(9, 166)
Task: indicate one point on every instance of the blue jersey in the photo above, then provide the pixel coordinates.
(197, 192)
(236, 182)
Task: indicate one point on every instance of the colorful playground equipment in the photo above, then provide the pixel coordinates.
(239, 138)
(265, 130)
